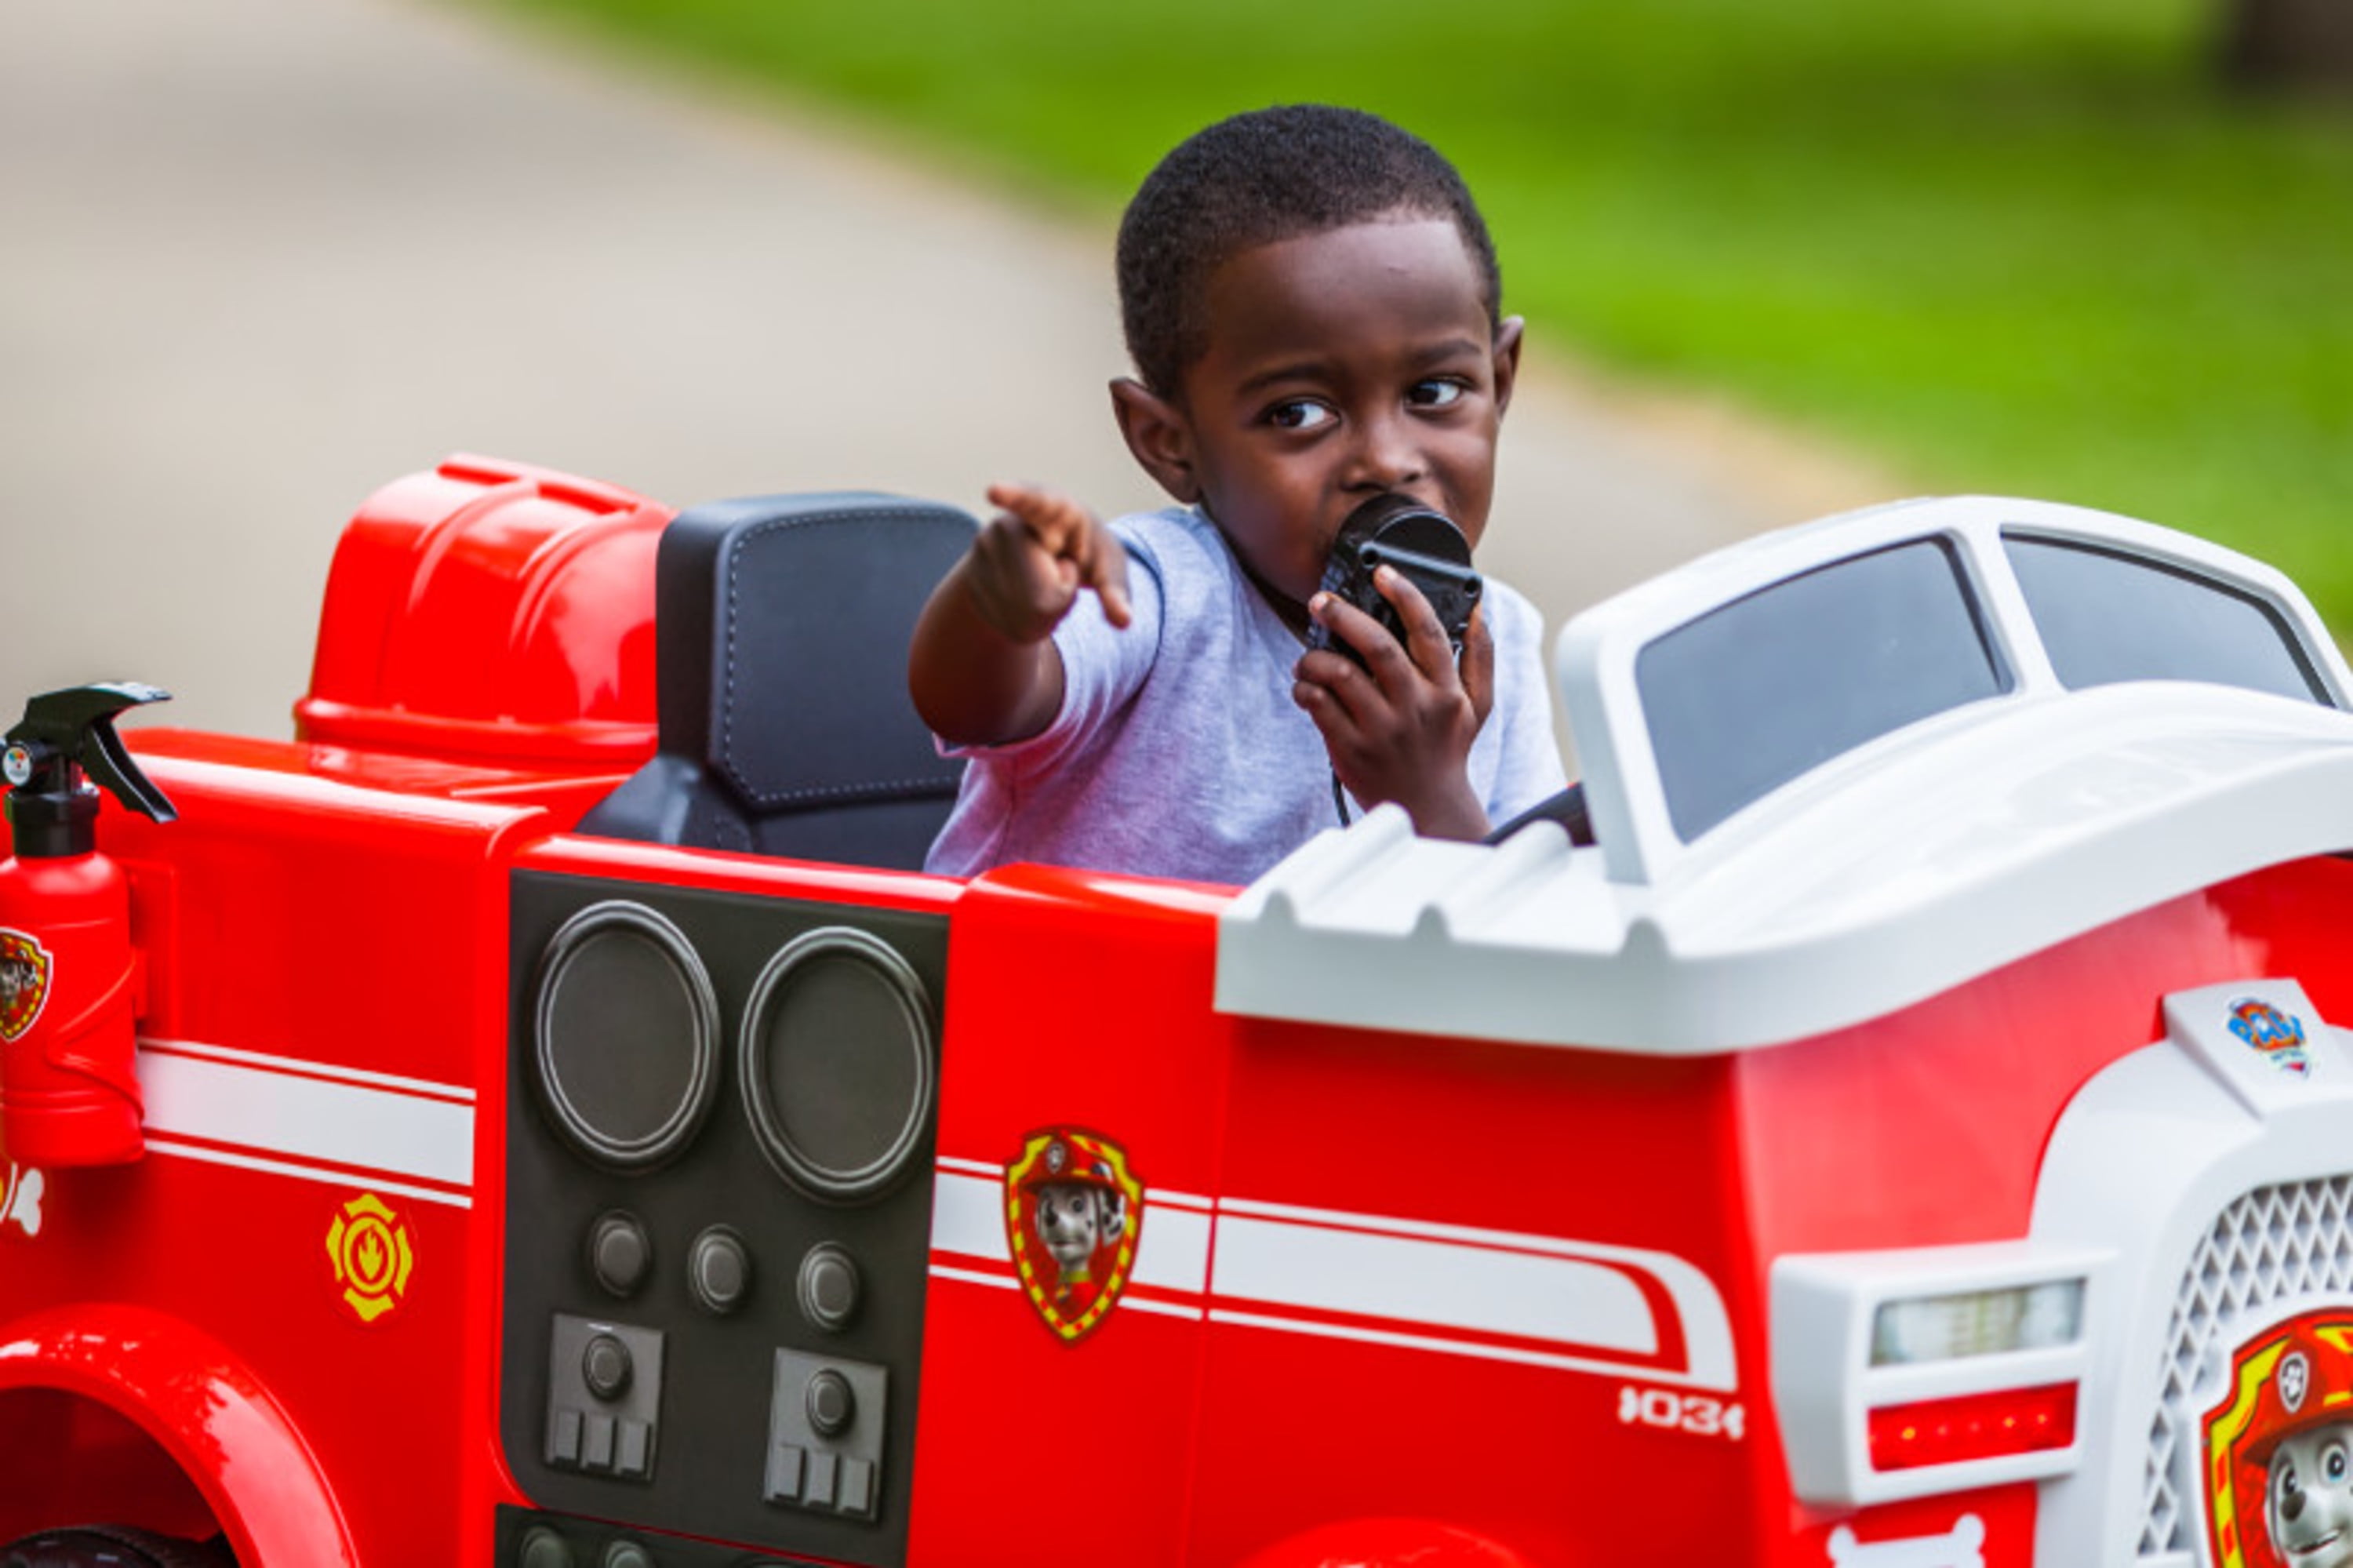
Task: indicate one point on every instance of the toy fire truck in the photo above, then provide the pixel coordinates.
(540, 1118)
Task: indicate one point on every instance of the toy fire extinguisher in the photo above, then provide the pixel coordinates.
(68, 978)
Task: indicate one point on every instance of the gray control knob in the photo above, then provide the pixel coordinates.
(543, 1548)
(828, 1287)
(718, 1270)
(626, 1554)
(606, 1367)
(830, 1404)
(620, 1253)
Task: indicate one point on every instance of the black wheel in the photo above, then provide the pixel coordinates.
(106, 1546)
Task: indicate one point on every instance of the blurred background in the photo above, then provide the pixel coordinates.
(258, 257)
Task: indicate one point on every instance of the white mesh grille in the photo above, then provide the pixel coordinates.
(2275, 1243)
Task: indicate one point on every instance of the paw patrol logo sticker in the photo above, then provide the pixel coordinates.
(1073, 1214)
(2277, 1037)
(2277, 1462)
(23, 982)
(368, 1245)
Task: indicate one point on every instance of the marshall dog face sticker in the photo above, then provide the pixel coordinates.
(1073, 1213)
(24, 982)
(2278, 1450)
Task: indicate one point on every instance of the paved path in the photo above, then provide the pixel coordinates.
(257, 257)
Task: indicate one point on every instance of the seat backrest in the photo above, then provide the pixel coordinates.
(781, 626)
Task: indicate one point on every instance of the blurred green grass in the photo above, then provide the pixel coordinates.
(2024, 245)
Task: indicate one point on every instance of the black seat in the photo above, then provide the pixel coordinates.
(780, 648)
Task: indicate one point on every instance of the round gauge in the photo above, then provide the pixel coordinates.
(837, 1063)
(625, 1036)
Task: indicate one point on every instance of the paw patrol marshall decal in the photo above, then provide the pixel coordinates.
(2278, 1452)
(2277, 1037)
(1073, 1213)
(23, 982)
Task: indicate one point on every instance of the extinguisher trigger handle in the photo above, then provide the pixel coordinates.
(108, 762)
(74, 728)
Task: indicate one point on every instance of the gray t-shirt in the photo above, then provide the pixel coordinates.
(1178, 751)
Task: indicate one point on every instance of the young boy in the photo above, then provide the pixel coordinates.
(1312, 302)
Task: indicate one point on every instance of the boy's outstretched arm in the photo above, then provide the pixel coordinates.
(1400, 729)
(981, 668)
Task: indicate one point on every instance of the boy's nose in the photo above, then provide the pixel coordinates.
(1386, 457)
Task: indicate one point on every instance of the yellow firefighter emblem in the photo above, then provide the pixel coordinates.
(368, 1244)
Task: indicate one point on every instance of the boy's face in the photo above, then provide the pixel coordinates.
(1338, 366)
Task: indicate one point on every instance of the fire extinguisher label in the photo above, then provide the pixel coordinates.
(23, 982)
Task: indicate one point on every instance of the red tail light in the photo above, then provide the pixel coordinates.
(1973, 1427)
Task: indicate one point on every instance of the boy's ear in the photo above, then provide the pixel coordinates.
(1159, 436)
(1508, 336)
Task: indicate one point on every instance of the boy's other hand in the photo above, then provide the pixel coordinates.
(1400, 728)
(1031, 560)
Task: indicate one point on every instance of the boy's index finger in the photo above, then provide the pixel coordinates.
(1426, 640)
(1072, 535)
(1054, 520)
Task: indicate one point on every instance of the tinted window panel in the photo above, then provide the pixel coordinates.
(1749, 696)
(2106, 617)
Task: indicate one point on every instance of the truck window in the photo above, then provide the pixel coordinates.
(2106, 616)
(1756, 692)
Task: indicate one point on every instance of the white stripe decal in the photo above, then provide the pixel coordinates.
(1408, 1283)
(1432, 1284)
(1450, 1347)
(1698, 1305)
(968, 1217)
(350, 1181)
(973, 1276)
(1165, 1308)
(297, 1065)
(1175, 1253)
(271, 1110)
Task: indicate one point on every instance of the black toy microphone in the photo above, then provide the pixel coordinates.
(1399, 531)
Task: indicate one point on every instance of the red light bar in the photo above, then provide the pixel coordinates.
(1973, 1427)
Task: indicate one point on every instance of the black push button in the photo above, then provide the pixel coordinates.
(620, 1253)
(605, 1367)
(543, 1548)
(831, 1405)
(828, 1287)
(718, 1270)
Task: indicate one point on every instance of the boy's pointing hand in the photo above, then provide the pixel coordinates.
(1031, 559)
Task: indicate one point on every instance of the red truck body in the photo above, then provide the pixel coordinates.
(1357, 1293)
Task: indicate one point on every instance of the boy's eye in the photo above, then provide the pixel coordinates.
(1299, 414)
(1434, 393)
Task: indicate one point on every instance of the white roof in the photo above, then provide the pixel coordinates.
(1908, 864)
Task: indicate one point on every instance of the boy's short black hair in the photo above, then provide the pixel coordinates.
(1269, 174)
